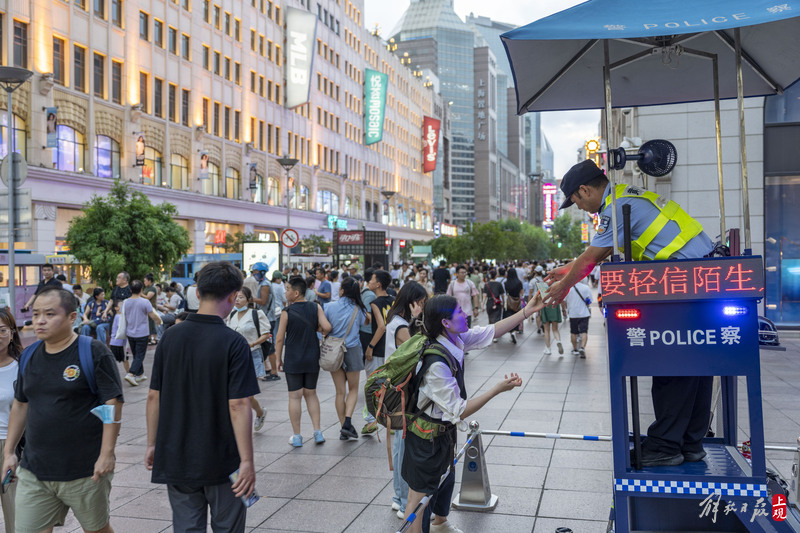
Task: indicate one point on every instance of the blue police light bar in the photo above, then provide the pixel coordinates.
(628, 314)
(734, 310)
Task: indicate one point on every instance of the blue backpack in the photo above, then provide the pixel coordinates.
(84, 355)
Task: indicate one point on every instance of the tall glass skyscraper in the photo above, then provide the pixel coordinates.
(455, 43)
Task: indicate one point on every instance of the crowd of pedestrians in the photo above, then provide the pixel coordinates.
(234, 331)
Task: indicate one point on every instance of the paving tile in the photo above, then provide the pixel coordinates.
(575, 504)
(578, 479)
(305, 515)
(346, 489)
(283, 485)
(359, 467)
(153, 504)
(375, 518)
(548, 525)
(258, 513)
(582, 459)
(302, 464)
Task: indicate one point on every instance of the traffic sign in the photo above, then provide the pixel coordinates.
(21, 169)
(290, 238)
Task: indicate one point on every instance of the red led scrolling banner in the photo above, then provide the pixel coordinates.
(701, 279)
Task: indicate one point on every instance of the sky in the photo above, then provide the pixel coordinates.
(566, 130)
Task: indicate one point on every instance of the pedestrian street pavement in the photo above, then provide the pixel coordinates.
(346, 486)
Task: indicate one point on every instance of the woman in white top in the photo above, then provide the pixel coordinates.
(242, 320)
(406, 308)
(10, 349)
(443, 397)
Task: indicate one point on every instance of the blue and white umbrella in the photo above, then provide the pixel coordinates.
(625, 53)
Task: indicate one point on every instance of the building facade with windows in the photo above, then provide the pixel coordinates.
(185, 99)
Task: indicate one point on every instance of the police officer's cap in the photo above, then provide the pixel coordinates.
(578, 175)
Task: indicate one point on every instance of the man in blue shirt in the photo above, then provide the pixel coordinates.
(323, 291)
(682, 405)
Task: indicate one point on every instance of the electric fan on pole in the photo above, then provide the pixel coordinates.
(654, 158)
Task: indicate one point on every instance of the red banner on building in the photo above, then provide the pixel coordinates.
(351, 237)
(430, 143)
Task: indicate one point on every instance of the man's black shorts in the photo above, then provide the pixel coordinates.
(579, 325)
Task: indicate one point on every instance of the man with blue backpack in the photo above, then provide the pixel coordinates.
(62, 378)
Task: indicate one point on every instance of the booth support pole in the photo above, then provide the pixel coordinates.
(607, 135)
(748, 247)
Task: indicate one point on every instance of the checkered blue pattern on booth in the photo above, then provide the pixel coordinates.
(689, 487)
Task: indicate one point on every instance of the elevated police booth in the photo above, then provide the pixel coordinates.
(689, 318)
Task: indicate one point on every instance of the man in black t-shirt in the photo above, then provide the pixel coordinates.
(122, 291)
(48, 282)
(204, 364)
(68, 451)
(441, 278)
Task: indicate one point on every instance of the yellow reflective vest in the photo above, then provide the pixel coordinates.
(689, 227)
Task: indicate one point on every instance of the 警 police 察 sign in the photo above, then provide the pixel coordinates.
(448, 230)
(665, 317)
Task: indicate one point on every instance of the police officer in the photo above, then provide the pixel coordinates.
(659, 230)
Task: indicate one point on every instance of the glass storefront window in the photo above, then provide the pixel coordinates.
(327, 202)
(232, 183)
(106, 162)
(69, 155)
(304, 198)
(20, 135)
(179, 172)
(273, 191)
(213, 185)
(152, 169)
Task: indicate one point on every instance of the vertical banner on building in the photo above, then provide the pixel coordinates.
(300, 29)
(430, 143)
(140, 140)
(52, 121)
(253, 177)
(203, 174)
(375, 84)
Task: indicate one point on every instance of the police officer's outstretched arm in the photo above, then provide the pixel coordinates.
(562, 279)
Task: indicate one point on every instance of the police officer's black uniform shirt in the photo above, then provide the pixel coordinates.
(62, 437)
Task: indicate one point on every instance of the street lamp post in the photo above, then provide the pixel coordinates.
(388, 195)
(10, 80)
(288, 164)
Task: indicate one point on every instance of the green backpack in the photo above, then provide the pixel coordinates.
(391, 391)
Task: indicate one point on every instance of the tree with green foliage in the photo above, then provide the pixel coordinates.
(123, 231)
(567, 233)
(506, 240)
(234, 244)
(315, 244)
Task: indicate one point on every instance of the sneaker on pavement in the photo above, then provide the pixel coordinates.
(140, 378)
(258, 424)
(560, 347)
(447, 527)
(273, 377)
(349, 433)
(395, 506)
(319, 438)
(401, 514)
(583, 353)
(547, 351)
(575, 352)
(130, 378)
(296, 441)
(370, 428)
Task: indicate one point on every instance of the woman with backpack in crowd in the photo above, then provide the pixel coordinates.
(443, 406)
(400, 326)
(346, 315)
(253, 325)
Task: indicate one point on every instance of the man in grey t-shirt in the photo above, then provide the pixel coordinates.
(136, 310)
